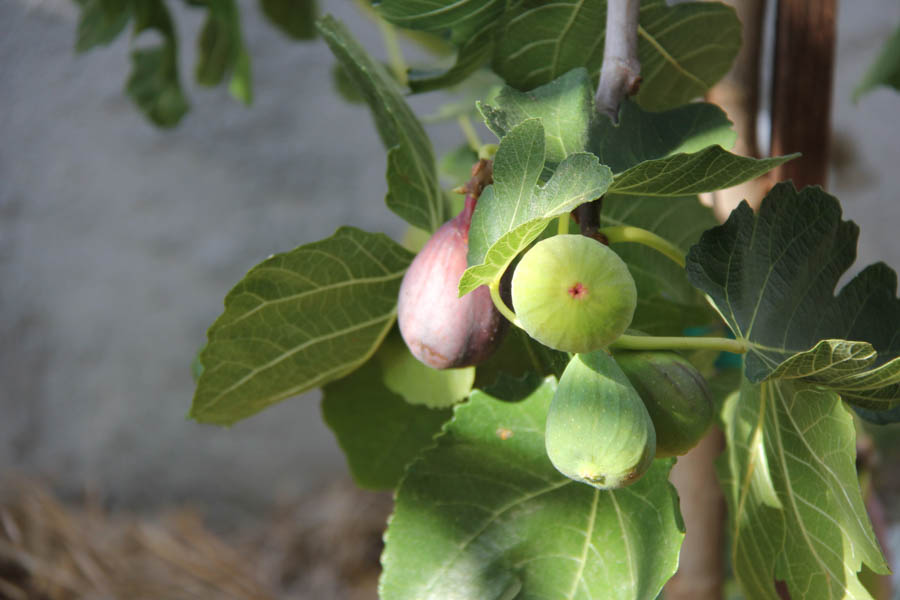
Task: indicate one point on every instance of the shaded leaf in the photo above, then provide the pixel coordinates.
(667, 302)
(220, 50)
(518, 367)
(153, 82)
(458, 18)
(100, 22)
(796, 512)
(885, 70)
(484, 514)
(472, 54)
(772, 277)
(540, 41)
(296, 18)
(413, 189)
(378, 432)
(297, 321)
(679, 152)
(514, 211)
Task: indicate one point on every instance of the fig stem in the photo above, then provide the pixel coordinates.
(494, 287)
(649, 342)
(469, 131)
(626, 233)
(562, 225)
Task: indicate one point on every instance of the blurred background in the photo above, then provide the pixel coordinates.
(118, 242)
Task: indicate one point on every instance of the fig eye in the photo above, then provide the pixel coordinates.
(588, 312)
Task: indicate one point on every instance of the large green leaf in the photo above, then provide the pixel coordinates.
(220, 50)
(297, 321)
(772, 276)
(564, 106)
(539, 41)
(473, 53)
(514, 211)
(378, 431)
(153, 83)
(484, 514)
(667, 302)
(413, 189)
(796, 512)
(885, 70)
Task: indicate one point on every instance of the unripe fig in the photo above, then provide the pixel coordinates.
(598, 430)
(675, 394)
(441, 329)
(572, 293)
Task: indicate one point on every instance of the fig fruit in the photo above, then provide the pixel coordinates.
(441, 329)
(675, 394)
(572, 293)
(598, 430)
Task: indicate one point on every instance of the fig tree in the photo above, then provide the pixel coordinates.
(441, 329)
(573, 293)
(675, 394)
(598, 430)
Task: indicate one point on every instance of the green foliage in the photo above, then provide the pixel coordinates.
(667, 303)
(295, 18)
(480, 510)
(220, 49)
(484, 514)
(514, 211)
(772, 277)
(795, 509)
(378, 431)
(531, 43)
(885, 70)
(413, 189)
(297, 321)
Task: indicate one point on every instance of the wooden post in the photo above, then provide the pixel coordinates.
(801, 90)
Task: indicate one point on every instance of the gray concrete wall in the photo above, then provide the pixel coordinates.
(118, 242)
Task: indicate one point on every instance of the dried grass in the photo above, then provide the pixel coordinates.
(325, 546)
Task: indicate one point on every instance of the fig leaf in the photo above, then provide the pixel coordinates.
(511, 523)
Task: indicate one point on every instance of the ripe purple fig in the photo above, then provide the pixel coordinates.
(441, 329)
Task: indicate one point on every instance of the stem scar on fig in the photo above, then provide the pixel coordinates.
(578, 291)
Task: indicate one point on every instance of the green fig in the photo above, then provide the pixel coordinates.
(598, 430)
(675, 394)
(572, 293)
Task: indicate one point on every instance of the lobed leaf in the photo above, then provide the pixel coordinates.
(796, 512)
(414, 192)
(297, 321)
(772, 277)
(483, 514)
(514, 211)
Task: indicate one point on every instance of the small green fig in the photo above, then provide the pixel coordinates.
(675, 394)
(572, 293)
(598, 430)
(441, 329)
